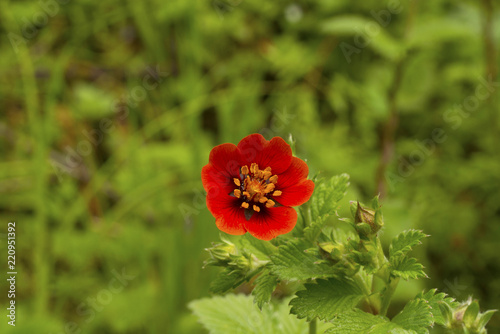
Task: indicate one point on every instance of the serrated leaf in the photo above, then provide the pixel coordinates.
(404, 242)
(264, 287)
(326, 299)
(324, 202)
(250, 245)
(434, 299)
(292, 263)
(262, 249)
(328, 194)
(416, 316)
(407, 268)
(390, 328)
(355, 322)
(237, 314)
(226, 280)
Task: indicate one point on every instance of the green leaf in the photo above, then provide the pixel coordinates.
(226, 280)
(326, 299)
(264, 287)
(407, 268)
(434, 299)
(416, 316)
(404, 242)
(250, 245)
(328, 194)
(325, 202)
(355, 322)
(390, 328)
(262, 249)
(471, 314)
(484, 318)
(293, 263)
(237, 314)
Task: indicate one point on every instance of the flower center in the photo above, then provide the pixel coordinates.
(255, 186)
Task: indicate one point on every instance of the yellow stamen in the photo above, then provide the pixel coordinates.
(257, 185)
(270, 204)
(254, 168)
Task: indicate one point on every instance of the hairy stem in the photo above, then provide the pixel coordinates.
(312, 326)
(386, 296)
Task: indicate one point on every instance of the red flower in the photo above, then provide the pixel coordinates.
(251, 187)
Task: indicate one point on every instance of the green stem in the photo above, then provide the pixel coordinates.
(312, 326)
(386, 296)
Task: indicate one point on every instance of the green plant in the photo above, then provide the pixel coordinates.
(345, 277)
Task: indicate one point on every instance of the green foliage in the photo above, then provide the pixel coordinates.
(325, 202)
(226, 280)
(355, 322)
(264, 287)
(407, 267)
(400, 264)
(326, 298)
(237, 314)
(434, 300)
(292, 262)
(328, 194)
(404, 242)
(416, 316)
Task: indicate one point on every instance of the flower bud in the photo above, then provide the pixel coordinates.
(367, 221)
(220, 254)
(466, 317)
(239, 261)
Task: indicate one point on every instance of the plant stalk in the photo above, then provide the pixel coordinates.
(312, 326)
(387, 295)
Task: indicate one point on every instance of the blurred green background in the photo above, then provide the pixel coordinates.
(109, 110)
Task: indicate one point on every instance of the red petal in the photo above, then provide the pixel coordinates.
(275, 153)
(295, 188)
(227, 159)
(296, 194)
(270, 223)
(296, 172)
(229, 217)
(216, 182)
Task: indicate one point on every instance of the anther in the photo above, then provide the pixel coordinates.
(277, 193)
(237, 193)
(237, 182)
(244, 170)
(244, 205)
(263, 199)
(256, 208)
(269, 188)
(270, 204)
(273, 179)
